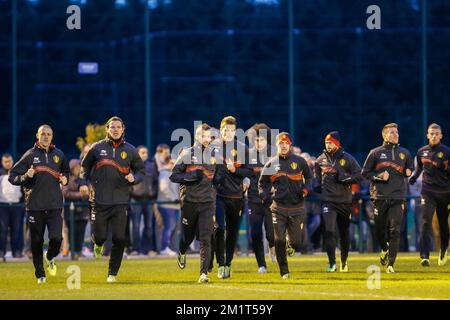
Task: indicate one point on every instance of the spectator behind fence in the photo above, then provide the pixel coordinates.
(81, 212)
(140, 206)
(12, 215)
(167, 192)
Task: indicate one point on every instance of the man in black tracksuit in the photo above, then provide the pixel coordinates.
(111, 166)
(194, 170)
(231, 171)
(335, 172)
(387, 168)
(289, 176)
(40, 171)
(432, 160)
(259, 213)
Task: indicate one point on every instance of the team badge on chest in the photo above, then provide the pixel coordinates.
(294, 165)
(123, 155)
(402, 156)
(55, 159)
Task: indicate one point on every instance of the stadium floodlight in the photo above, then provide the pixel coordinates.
(266, 2)
(119, 4)
(79, 2)
(87, 67)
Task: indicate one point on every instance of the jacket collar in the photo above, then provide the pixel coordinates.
(115, 144)
(286, 156)
(435, 146)
(390, 145)
(38, 146)
(339, 152)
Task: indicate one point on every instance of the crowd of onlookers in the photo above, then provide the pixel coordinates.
(154, 214)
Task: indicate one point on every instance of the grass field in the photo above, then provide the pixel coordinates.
(161, 279)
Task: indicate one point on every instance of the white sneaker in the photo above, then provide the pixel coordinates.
(442, 260)
(390, 269)
(168, 252)
(286, 276)
(221, 272)
(111, 279)
(262, 269)
(272, 254)
(41, 280)
(203, 278)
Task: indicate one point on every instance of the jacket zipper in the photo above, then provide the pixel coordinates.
(46, 157)
(329, 159)
(393, 153)
(114, 153)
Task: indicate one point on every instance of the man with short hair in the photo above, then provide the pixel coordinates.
(432, 160)
(11, 211)
(111, 166)
(387, 168)
(41, 171)
(335, 172)
(230, 195)
(289, 177)
(198, 195)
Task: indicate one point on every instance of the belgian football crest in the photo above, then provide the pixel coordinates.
(123, 155)
(294, 165)
(342, 162)
(402, 156)
(55, 159)
(440, 155)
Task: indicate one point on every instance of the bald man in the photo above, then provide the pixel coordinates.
(41, 171)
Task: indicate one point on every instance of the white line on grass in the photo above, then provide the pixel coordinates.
(320, 293)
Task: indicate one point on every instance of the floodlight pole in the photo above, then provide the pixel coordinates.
(148, 113)
(14, 79)
(291, 71)
(424, 72)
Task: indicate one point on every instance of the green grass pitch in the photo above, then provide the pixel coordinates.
(161, 279)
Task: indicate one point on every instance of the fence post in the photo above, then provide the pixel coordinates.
(361, 249)
(72, 231)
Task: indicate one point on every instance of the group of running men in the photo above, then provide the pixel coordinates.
(215, 174)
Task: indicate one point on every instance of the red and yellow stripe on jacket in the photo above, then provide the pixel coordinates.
(109, 162)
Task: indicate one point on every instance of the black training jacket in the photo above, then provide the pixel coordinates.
(334, 175)
(195, 174)
(229, 185)
(289, 178)
(433, 161)
(257, 160)
(105, 166)
(43, 191)
(393, 159)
